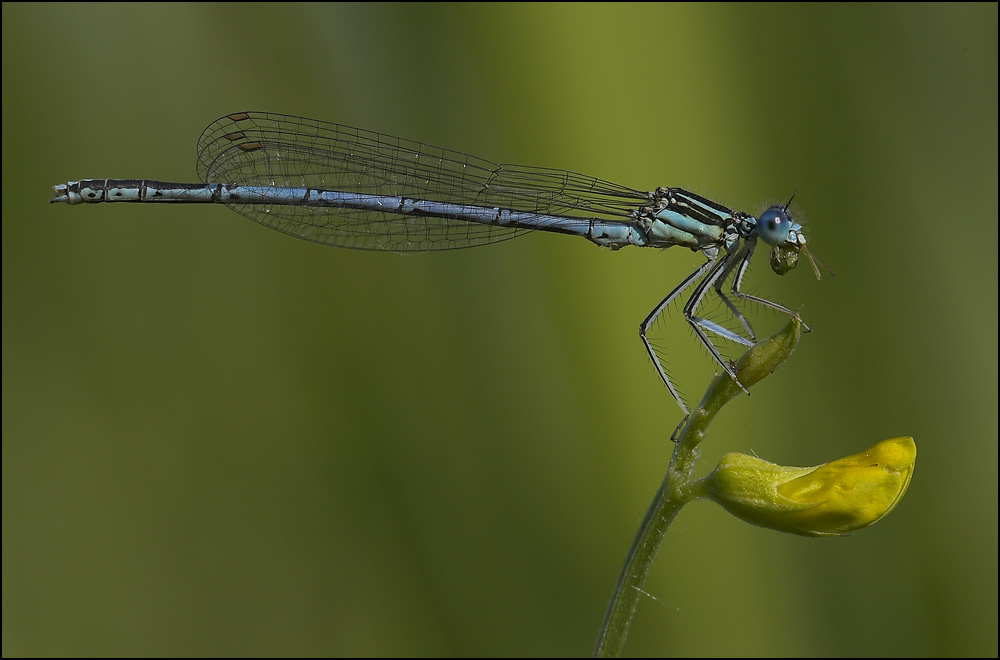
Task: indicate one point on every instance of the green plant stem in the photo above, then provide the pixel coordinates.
(762, 359)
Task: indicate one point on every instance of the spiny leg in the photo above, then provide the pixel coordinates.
(700, 325)
(739, 261)
(644, 326)
(738, 282)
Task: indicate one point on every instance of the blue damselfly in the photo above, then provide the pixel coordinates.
(354, 188)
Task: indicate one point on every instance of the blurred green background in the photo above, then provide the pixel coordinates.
(219, 440)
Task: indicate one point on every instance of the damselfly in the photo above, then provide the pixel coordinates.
(355, 188)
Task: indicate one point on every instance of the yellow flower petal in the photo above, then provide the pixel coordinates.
(826, 500)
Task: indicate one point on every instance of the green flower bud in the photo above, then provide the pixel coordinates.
(826, 500)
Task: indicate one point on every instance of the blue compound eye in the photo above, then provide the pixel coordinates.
(773, 225)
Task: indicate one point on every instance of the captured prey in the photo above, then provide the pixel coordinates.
(354, 188)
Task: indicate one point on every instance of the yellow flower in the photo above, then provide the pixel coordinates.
(826, 500)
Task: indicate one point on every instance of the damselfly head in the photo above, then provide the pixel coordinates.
(776, 227)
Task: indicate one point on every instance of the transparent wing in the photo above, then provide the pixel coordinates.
(267, 149)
